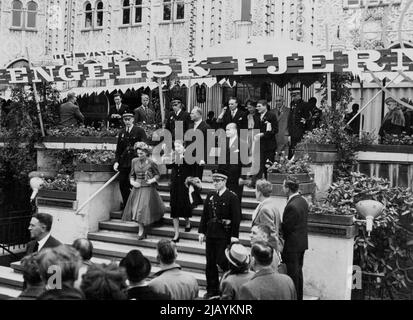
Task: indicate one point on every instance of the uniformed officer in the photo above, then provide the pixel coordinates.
(124, 154)
(220, 226)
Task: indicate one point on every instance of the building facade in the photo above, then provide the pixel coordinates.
(156, 29)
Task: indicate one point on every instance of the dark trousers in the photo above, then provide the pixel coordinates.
(294, 141)
(215, 255)
(294, 262)
(124, 184)
(199, 171)
(264, 156)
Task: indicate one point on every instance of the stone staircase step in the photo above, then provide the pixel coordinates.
(10, 278)
(246, 213)
(186, 260)
(164, 231)
(208, 187)
(246, 202)
(184, 245)
(7, 293)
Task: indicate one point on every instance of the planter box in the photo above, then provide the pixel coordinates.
(87, 167)
(57, 194)
(331, 219)
(278, 178)
(387, 148)
(318, 153)
(81, 139)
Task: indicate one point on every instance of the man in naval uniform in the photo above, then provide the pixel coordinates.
(219, 227)
(124, 154)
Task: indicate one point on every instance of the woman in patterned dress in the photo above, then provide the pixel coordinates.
(144, 205)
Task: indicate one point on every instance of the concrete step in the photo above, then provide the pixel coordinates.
(157, 232)
(7, 293)
(207, 187)
(186, 260)
(250, 203)
(246, 212)
(10, 278)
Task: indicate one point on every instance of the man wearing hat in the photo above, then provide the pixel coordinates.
(297, 120)
(124, 154)
(294, 229)
(239, 271)
(70, 114)
(219, 226)
(116, 111)
(137, 269)
(177, 114)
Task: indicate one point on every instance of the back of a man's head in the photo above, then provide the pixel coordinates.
(166, 251)
(62, 260)
(71, 96)
(262, 253)
(84, 247)
(31, 272)
(45, 219)
(103, 282)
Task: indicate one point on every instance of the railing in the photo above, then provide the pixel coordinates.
(13, 230)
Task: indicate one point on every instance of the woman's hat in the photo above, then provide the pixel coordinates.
(389, 99)
(137, 266)
(142, 146)
(237, 255)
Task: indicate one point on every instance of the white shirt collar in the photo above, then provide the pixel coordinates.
(177, 113)
(196, 123)
(43, 241)
(293, 195)
(263, 114)
(222, 191)
(231, 140)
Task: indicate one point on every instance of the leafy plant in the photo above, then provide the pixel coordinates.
(386, 251)
(82, 131)
(401, 139)
(96, 157)
(61, 182)
(293, 166)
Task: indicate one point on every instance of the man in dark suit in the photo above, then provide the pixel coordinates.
(199, 125)
(232, 152)
(116, 112)
(266, 284)
(177, 114)
(297, 120)
(267, 123)
(220, 226)
(40, 226)
(233, 114)
(294, 229)
(144, 113)
(124, 154)
(70, 114)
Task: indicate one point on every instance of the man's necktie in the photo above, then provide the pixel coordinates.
(36, 247)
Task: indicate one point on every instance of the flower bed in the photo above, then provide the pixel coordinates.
(60, 183)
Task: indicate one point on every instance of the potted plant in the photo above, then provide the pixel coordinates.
(96, 161)
(81, 134)
(299, 168)
(61, 187)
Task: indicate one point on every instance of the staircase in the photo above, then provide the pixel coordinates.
(116, 238)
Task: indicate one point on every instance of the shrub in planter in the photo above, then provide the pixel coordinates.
(82, 131)
(401, 139)
(299, 168)
(61, 183)
(386, 251)
(96, 160)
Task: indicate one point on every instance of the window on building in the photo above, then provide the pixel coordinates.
(173, 10)
(245, 10)
(126, 12)
(31, 14)
(88, 15)
(99, 14)
(17, 14)
(138, 11)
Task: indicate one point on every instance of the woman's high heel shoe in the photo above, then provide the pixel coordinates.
(188, 228)
(142, 236)
(175, 240)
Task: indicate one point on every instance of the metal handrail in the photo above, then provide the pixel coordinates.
(96, 193)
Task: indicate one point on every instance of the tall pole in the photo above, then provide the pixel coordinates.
(188, 104)
(329, 73)
(36, 98)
